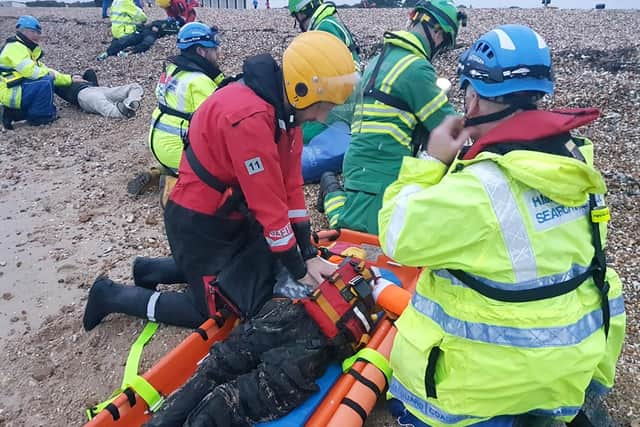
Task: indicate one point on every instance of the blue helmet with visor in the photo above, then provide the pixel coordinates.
(510, 64)
(198, 34)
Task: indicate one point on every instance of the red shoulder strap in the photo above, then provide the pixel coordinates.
(530, 126)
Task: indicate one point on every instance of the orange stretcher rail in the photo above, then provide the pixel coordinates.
(178, 365)
(329, 410)
(166, 376)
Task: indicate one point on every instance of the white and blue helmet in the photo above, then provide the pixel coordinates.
(509, 60)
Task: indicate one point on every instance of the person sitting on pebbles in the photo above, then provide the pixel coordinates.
(127, 21)
(187, 80)
(26, 84)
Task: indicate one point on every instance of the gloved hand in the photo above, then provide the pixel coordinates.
(319, 268)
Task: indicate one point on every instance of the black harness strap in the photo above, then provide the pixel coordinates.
(356, 408)
(526, 295)
(420, 133)
(378, 95)
(113, 410)
(202, 333)
(165, 109)
(202, 173)
(365, 381)
(599, 266)
(597, 270)
(430, 373)
(131, 396)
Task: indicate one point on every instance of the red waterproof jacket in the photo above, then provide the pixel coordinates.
(233, 136)
(184, 9)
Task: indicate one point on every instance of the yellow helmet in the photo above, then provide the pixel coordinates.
(318, 67)
(163, 3)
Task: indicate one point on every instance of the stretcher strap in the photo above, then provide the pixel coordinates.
(131, 379)
(371, 356)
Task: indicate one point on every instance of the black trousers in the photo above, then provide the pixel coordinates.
(263, 370)
(124, 42)
(231, 253)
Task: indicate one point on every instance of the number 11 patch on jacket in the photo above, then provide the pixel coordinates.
(254, 165)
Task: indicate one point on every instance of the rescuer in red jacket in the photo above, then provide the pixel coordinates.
(237, 214)
(183, 11)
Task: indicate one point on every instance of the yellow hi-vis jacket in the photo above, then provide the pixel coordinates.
(182, 92)
(515, 221)
(19, 60)
(125, 16)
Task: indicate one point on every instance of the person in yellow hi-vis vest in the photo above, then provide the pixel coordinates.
(186, 82)
(127, 25)
(516, 312)
(26, 84)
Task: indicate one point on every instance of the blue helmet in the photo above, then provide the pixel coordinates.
(198, 34)
(28, 22)
(508, 60)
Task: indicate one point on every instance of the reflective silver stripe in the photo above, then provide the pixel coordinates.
(430, 410)
(298, 213)
(36, 72)
(151, 306)
(432, 106)
(122, 22)
(396, 224)
(514, 231)
(398, 390)
(539, 282)
(557, 336)
(173, 130)
(182, 89)
(24, 64)
(13, 102)
(284, 241)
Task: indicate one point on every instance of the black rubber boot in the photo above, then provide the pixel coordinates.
(90, 76)
(106, 297)
(9, 115)
(149, 272)
(328, 184)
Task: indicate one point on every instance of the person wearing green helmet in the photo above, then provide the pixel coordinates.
(325, 143)
(401, 105)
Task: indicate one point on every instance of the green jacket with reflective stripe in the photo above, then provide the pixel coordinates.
(344, 113)
(184, 92)
(381, 134)
(18, 61)
(125, 16)
(515, 221)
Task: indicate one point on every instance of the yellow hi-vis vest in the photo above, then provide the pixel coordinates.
(17, 63)
(516, 221)
(182, 92)
(125, 16)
